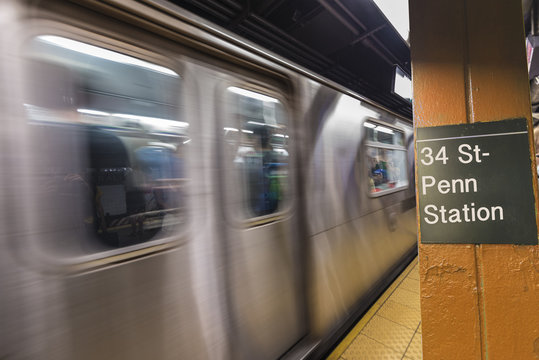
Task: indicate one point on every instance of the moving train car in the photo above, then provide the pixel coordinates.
(171, 192)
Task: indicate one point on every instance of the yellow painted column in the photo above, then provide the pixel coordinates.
(469, 65)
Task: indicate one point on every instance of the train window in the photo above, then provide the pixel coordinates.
(257, 139)
(108, 144)
(386, 156)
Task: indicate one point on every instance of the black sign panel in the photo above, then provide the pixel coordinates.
(474, 184)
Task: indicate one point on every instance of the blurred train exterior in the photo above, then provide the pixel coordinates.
(171, 192)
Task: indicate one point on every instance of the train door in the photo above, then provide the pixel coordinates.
(107, 212)
(263, 264)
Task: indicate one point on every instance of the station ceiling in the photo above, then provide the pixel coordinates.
(348, 41)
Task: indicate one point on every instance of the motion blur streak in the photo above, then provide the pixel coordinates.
(168, 195)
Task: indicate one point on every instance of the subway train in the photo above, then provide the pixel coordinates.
(169, 191)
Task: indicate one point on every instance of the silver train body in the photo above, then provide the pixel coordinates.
(171, 192)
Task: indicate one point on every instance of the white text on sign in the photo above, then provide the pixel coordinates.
(467, 154)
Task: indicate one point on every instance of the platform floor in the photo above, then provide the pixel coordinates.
(391, 329)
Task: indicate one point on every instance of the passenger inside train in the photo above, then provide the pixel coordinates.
(386, 158)
(261, 155)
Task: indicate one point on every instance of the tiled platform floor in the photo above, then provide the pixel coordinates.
(391, 329)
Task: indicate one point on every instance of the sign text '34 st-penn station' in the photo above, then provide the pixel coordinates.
(475, 183)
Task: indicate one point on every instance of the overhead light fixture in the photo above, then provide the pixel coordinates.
(93, 112)
(384, 129)
(99, 52)
(154, 121)
(369, 125)
(256, 123)
(252, 94)
(263, 124)
(396, 11)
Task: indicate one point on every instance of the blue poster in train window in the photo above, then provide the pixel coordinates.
(264, 172)
(160, 166)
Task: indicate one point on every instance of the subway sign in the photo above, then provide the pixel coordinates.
(475, 184)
